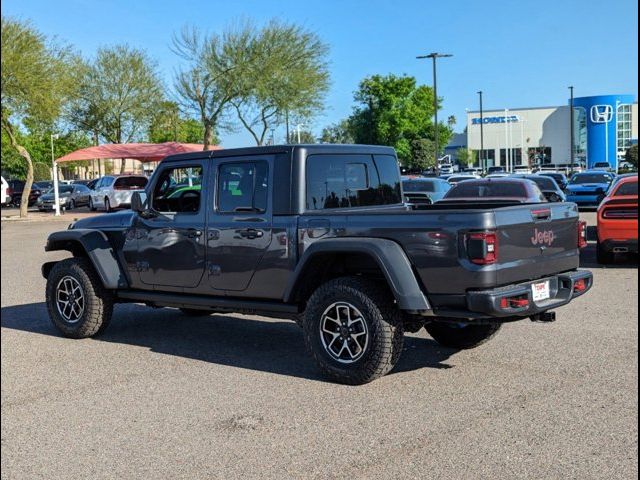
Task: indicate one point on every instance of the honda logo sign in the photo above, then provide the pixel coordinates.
(601, 113)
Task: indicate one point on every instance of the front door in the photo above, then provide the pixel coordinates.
(240, 226)
(171, 237)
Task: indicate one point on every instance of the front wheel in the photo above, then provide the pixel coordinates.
(461, 336)
(91, 206)
(353, 330)
(78, 304)
(107, 205)
(72, 205)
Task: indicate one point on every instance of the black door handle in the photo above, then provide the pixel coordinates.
(251, 233)
(193, 233)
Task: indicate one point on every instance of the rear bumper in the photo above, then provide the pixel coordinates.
(618, 246)
(487, 303)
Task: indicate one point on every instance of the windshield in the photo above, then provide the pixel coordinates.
(629, 188)
(418, 186)
(583, 178)
(487, 189)
(544, 183)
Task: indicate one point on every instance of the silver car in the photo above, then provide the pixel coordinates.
(69, 197)
(115, 191)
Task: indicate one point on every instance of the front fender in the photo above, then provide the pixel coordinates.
(96, 246)
(389, 256)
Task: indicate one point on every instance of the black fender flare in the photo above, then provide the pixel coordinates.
(96, 246)
(389, 256)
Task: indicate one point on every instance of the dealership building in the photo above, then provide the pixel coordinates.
(605, 126)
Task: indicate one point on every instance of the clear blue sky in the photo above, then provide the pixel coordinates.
(521, 53)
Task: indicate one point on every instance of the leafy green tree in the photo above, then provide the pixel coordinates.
(35, 84)
(306, 137)
(466, 157)
(168, 125)
(394, 110)
(337, 133)
(280, 71)
(205, 85)
(631, 155)
(118, 94)
(422, 154)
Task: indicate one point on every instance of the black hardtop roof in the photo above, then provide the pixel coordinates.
(320, 148)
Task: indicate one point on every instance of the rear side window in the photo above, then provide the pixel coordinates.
(178, 190)
(484, 190)
(627, 188)
(243, 187)
(344, 181)
(545, 183)
(130, 183)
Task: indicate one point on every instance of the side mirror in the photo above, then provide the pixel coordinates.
(138, 203)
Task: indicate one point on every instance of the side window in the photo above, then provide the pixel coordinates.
(243, 187)
(343, 181)
(107, 181)
(178, 190)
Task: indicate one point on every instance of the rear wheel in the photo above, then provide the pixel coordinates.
(78, 304)
(604, 256)
(461, 336)
(353, 330)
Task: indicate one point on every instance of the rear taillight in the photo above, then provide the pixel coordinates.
(580, 285)
(482, 247)
(620, 213)
(582, 234)
(9, 191)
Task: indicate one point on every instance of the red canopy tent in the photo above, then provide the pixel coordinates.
(145, 152)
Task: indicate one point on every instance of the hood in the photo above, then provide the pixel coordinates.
(51, 196)
(120, 219)
(587, 187)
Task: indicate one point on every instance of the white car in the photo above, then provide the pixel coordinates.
(115, 191)
(4, 194)
(521, 169)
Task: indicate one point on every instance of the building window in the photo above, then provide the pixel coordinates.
(514, 159)
(487, 156)
(580, 134)
(623, 129)
(539, 155)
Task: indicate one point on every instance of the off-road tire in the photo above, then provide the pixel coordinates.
(604, 257)
(461, 337)
(98, 304)
(384, 324)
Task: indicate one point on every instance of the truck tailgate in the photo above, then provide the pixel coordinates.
(536, 240)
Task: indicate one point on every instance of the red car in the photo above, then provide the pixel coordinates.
(618, 220)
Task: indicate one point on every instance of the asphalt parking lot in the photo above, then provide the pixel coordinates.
(160, 395)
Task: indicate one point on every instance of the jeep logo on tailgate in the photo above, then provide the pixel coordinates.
(543, 237)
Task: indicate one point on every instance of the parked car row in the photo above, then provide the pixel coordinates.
(107, 193)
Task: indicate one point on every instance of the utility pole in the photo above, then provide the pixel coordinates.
(286, 120)
(54, 164)
(482, 160)
(571, 129)
(433, 56)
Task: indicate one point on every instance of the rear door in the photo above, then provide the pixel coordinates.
(240, 224)
(536, 240)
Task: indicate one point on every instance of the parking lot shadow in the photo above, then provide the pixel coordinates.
(623, 260)
(270, 346)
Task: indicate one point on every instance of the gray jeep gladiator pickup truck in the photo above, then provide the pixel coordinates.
(318, 234)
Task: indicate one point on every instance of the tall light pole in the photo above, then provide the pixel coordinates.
(571, 127)
(433, 56)
(298, 131)
(482, 166)
(54, 171)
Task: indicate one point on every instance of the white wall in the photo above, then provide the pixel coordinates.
(536, 127)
